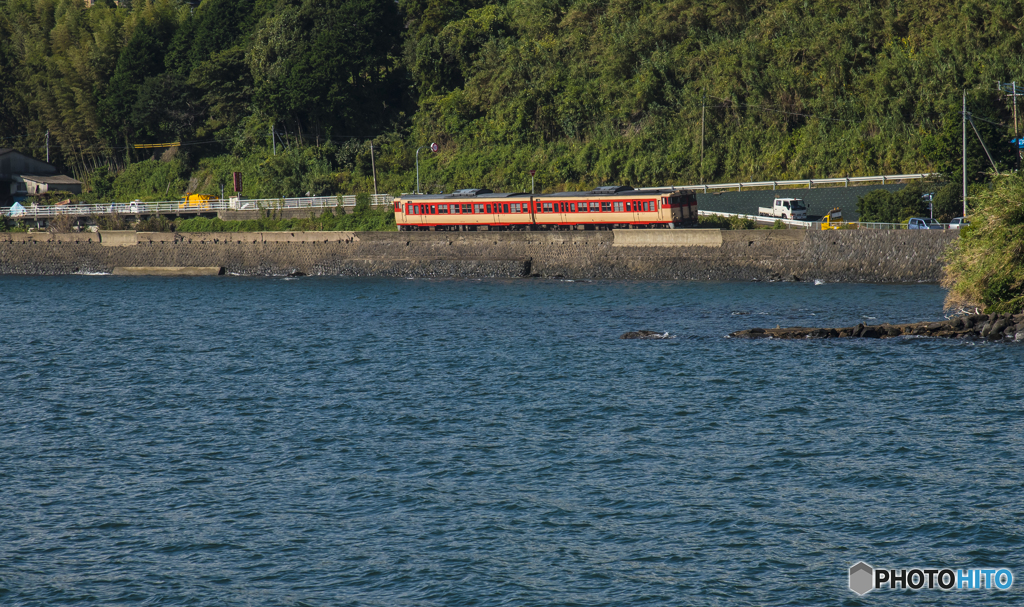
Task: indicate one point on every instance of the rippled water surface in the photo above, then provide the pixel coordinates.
(315, 441)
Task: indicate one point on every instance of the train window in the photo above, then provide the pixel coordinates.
(467, 208)
(478, 208)
(629, 206)
(488, 208)
(442, 209)
(547, 207)
(595, 206)
(618, 206)
(606, 205)
(433, 209)
(504, 208)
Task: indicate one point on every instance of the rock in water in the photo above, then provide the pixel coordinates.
(645, 335)
(972, 327)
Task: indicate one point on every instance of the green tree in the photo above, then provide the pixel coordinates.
(223, 83)
(893, 207)
(102, 183)
(140, 59)
(948, 202)
(327, 67)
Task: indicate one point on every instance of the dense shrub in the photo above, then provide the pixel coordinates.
(986, 264)
(363, 219)
(893, 207)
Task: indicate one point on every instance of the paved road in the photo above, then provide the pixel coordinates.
(819, 200)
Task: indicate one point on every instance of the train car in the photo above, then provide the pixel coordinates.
(478, 209)
(603, 208)
(611, 207)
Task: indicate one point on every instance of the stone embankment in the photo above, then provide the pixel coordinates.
(993, 327)
(748, 255)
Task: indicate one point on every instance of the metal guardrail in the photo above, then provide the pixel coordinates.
(864, 225)
(793, 183)
(174, 207)
(758, 218)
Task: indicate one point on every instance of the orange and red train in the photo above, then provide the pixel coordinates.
(603, 208)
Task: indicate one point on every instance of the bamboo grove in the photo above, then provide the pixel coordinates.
(584, 92)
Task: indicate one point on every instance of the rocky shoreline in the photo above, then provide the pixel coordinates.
(994, 327)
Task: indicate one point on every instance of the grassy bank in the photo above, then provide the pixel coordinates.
(986, 265)
(370, 220)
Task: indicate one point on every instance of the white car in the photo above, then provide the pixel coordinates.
(958, 222)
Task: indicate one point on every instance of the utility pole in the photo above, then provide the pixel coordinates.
(1015, 109)
(703, 102)
(964, 153)
(47, 146)
(373, 166)
(1010, 88)
(273, 138)
(418, 169)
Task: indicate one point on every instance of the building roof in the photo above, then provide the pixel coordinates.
(50, 179)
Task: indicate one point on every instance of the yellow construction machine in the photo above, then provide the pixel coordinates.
(833, 220)
(196, 201)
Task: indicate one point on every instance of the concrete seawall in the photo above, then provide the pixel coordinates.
(833, 256)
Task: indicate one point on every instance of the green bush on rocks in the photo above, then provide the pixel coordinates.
(985, 267)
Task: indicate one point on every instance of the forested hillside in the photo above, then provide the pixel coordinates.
(584, 92)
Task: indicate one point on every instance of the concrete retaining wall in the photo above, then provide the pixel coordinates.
(667, 238)
(833, 256)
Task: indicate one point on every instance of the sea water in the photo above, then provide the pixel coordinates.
(332, 441)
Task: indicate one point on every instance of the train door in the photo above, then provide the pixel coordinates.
(633, 213)
(491, 209)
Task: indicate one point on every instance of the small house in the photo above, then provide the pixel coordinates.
(22, 176)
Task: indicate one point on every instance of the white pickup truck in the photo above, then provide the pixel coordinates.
(785, 208)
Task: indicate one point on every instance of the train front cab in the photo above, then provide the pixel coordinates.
(682, 207)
